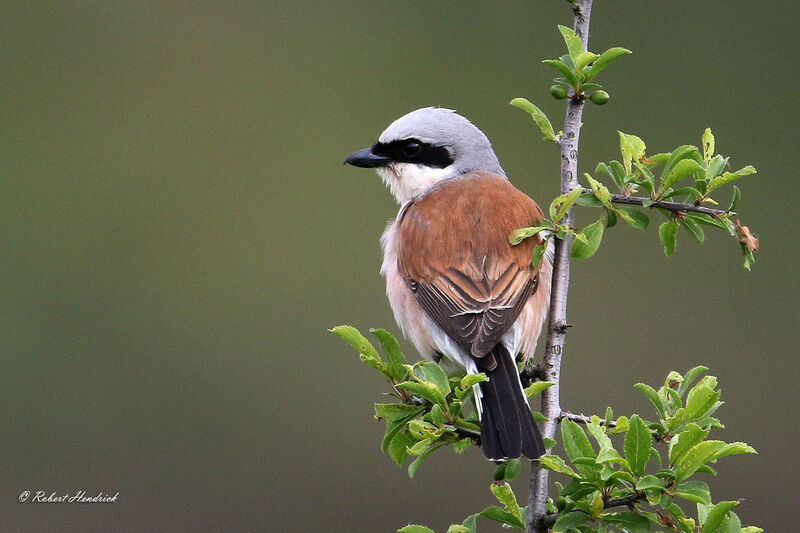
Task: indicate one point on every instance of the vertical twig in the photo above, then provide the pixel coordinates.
(557, 326)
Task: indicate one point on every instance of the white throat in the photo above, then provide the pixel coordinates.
(409, 180)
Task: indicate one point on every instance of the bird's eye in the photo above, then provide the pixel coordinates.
(411, 148)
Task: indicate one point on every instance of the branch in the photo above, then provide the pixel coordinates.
(672, 206)
(582, 419)
(466, 432)
(557, 324)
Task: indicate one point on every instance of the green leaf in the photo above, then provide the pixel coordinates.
(602, 168)
(600, 190)
(393, 428)
(696, 457)
(469, 523)
(638, 441)
(557, 464)
(569, 520)
(506, 496)
(456, 528)
(583, 60)
(500, 515)
(679, 154)
(398, 447)
(683, 168)
(424, 432)
(355, 339)
(472, 379)
(691, 376)
(538, 116)
(605, 59)
(434, 374)
(700, 400)
(436, 415)
(610, 455)
(619, 171)
(654, 398)
(734, 448)
(576, 443)
(683, 191)
(462, 444)
(538, 253)
(715, 166)
(728, 177)
(629, 521)
(716, 515)
(748, 256)
(737, 195)
(598, 432)
(730, 524)
(705, 469)
(752, 529)
(694, 231)
(684, 441)
(521, 234)
(621, 424)
(588, 199)
(634, 217)
(632, 148)
(414, 528)
(708, 220)
(426, 390)
(649, 483)
(708, 145)
(537, 387)
(569, 75)
(574, 45)
(414, 466)
(667, 233)
(695, 491)
(393, 352)
(559, 206)
(594, 234)
(393, 411)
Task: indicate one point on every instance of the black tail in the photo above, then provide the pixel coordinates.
(507, 426)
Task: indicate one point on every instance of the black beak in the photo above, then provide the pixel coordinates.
(367, 158)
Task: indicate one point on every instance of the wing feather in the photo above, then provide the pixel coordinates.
(457, 260)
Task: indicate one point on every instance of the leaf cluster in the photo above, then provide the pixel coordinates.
(579, 68)
(434, 410)
(649, 470)
(648, 483)
(702, 167)
(648, 480)
(705, 171)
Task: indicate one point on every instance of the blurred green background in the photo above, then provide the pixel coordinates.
(178, 233)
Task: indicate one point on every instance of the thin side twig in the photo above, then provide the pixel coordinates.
(672, 206)
(582, 419)
(557, 325)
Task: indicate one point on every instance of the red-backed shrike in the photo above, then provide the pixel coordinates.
(459, 291)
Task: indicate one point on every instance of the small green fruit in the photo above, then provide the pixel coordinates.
(500, 472)
(558, 92)
(600, 97)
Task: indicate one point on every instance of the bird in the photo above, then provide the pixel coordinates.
(460, 292)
